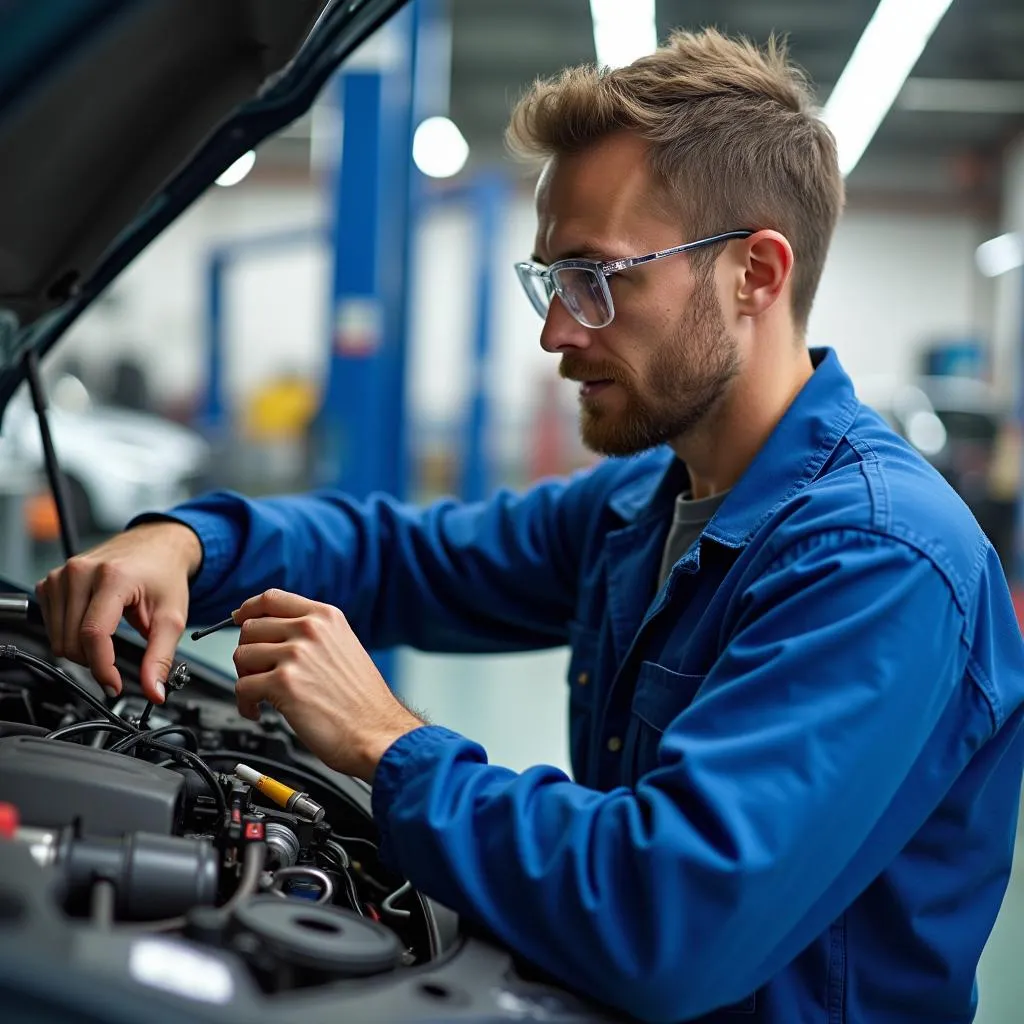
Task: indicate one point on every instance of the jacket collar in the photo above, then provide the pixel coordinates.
(791, 458)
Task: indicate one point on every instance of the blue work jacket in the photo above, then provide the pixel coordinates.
(797, 764)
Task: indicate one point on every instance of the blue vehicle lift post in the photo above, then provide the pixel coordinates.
(361, 427)
(488, 196)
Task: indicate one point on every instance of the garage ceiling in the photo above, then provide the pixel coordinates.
(940, 147)
(940, 144)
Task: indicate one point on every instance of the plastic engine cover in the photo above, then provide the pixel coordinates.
(53, 783)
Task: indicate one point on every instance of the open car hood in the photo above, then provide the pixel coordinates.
(116, 115)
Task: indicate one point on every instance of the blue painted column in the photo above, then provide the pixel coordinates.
(361, 425)
(211, 414)
(360, 431)
(488, 196)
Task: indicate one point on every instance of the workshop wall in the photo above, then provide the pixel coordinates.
(275, 302)
(894, 282)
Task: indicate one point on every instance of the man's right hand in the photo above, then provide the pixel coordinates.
(142, 574)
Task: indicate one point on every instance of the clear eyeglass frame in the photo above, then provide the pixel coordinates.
(582, 285)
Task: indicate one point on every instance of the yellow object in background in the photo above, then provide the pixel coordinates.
(280, 410)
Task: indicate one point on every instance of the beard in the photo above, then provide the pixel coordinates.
(685, 380)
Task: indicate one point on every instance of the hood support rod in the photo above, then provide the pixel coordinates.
(58, 483)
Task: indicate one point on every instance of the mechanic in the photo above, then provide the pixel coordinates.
(796, 676)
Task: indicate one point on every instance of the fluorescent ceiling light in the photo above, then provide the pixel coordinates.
(623, 30)
(1000, 255)
(238, 170)
(882, 60)
(439, 149)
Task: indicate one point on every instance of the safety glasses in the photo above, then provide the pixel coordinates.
(582, 285)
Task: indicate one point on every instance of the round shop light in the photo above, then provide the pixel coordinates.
(926, 432)
(238, 170)
(439, 149)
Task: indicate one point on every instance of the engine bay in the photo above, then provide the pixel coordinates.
(183, 854)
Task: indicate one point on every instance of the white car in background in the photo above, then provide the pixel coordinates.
(117, 462)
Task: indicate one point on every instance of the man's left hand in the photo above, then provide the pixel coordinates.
(303, 658)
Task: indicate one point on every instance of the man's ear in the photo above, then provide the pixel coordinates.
(767, 265)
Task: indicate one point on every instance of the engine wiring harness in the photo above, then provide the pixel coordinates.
(270, 838)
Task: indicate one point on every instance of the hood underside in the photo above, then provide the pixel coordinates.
(115, 115)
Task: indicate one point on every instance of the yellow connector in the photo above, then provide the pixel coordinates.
(282, 795)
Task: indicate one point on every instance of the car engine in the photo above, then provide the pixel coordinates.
(186, 851)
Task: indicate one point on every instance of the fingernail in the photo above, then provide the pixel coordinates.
(161, 692)
(110, 691)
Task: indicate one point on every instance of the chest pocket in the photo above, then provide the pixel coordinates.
(659, 697)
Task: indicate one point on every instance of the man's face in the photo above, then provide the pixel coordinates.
(667, 358)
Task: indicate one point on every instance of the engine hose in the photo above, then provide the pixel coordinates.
(95, 725)
(14, 653)
(126, 745)
(253, 860)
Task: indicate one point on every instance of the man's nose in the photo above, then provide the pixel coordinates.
(562, 330)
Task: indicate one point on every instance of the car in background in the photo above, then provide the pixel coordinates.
(117, 462)
(966, 431)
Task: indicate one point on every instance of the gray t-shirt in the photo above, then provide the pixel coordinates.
(689, 520)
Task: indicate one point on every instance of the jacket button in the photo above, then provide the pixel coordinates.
(583, 678)
(615, 744)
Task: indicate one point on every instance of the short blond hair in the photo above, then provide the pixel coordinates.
(735, 139)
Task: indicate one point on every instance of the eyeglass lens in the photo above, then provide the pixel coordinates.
(584, 294)
(538, 290)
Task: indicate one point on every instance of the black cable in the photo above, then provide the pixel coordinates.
(58, 483)
(125, 745)
(350, 885)
(149, 740)
(13, 653)
(355, 839)
(146, 712)
(367, 879)
(353, 893)
(195, 761)
(81, 728)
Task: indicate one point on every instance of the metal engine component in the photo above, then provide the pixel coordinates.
(14, 605)
(282, 844)
(154, 876)
(305, 883)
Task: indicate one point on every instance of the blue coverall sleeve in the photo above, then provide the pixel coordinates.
(690, 890)
(498, 575)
